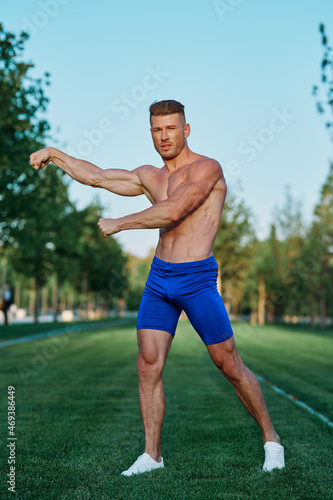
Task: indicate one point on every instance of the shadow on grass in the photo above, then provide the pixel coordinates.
(298, 328)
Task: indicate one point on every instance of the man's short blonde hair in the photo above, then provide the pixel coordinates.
(167, 107)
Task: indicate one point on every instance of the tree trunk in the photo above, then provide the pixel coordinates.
(37, 299)
(269, 307)
(84, 295)
(261, 302)
(44, 300)
(254, 318)
(91, 312)
(70, 300)
(32, 297)
(313, 310)
(17, 295)
(4, 272)
(323, 312)
(56, 299)
(121, 308)
(62, 305)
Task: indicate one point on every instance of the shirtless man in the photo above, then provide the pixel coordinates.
(187, 195)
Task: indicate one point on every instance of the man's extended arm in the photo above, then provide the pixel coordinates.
(188, 196)
(118, 181)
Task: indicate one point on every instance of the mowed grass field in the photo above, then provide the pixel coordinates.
(78, 423)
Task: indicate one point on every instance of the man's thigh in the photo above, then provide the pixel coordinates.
(156, 313)
(208, 316)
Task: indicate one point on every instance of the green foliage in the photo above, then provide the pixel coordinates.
(284, 291)
(316, 262)
(31, 205)
(22, 130)
(101, 261)
(267, 264)
(34, 235)
(41, 231)
(288, 218)
(233, 246)
(138, 270)
(324, 91)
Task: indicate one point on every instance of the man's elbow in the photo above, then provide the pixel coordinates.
(94, 180)
(175, 214)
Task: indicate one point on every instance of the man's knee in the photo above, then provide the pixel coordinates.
(232, 368)
(153, 350)
(149, 365)
(227, 360)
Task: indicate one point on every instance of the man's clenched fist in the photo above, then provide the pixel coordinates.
(40, 158)
(108, 227)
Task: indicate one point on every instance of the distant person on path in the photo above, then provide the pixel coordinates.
(187, 195)
(6, 302)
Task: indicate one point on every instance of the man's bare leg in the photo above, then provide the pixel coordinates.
(247, 387)
(154, 346)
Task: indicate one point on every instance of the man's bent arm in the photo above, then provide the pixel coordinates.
(186, 199)
(118, 181)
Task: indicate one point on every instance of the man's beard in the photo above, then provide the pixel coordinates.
(172, 153)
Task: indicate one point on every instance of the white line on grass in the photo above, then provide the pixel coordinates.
(53, 333)
(297, 401)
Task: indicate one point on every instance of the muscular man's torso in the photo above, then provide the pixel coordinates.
(192, 238)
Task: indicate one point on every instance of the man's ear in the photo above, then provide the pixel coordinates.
(187, 130)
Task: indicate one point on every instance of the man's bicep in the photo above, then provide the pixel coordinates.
(119, 181)
(189, 196)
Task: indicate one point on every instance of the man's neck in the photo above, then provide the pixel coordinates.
(184, 158)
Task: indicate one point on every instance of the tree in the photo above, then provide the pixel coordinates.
(22, 100)
(102, 263)
(293, 232)
(31, 204)
(319, 248)
(317, 255)
(272, 265)
(40, 228)
(324, 91)
(289, 218)
(138, 272)
(35, 233)
(233, 248)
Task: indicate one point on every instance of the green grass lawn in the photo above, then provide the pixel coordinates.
(78, 422)
(19, 330)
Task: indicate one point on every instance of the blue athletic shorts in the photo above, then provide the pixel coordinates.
(191, 286)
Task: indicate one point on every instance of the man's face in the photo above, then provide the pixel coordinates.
(169, 135)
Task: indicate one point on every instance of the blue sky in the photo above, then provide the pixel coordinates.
(243, 69)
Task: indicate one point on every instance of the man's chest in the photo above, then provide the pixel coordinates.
(164, 184)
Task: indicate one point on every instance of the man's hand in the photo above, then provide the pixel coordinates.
(108, 227)
(40, 158)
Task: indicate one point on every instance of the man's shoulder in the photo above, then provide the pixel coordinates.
(207, 166)
(145, 171)
(146, 168)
